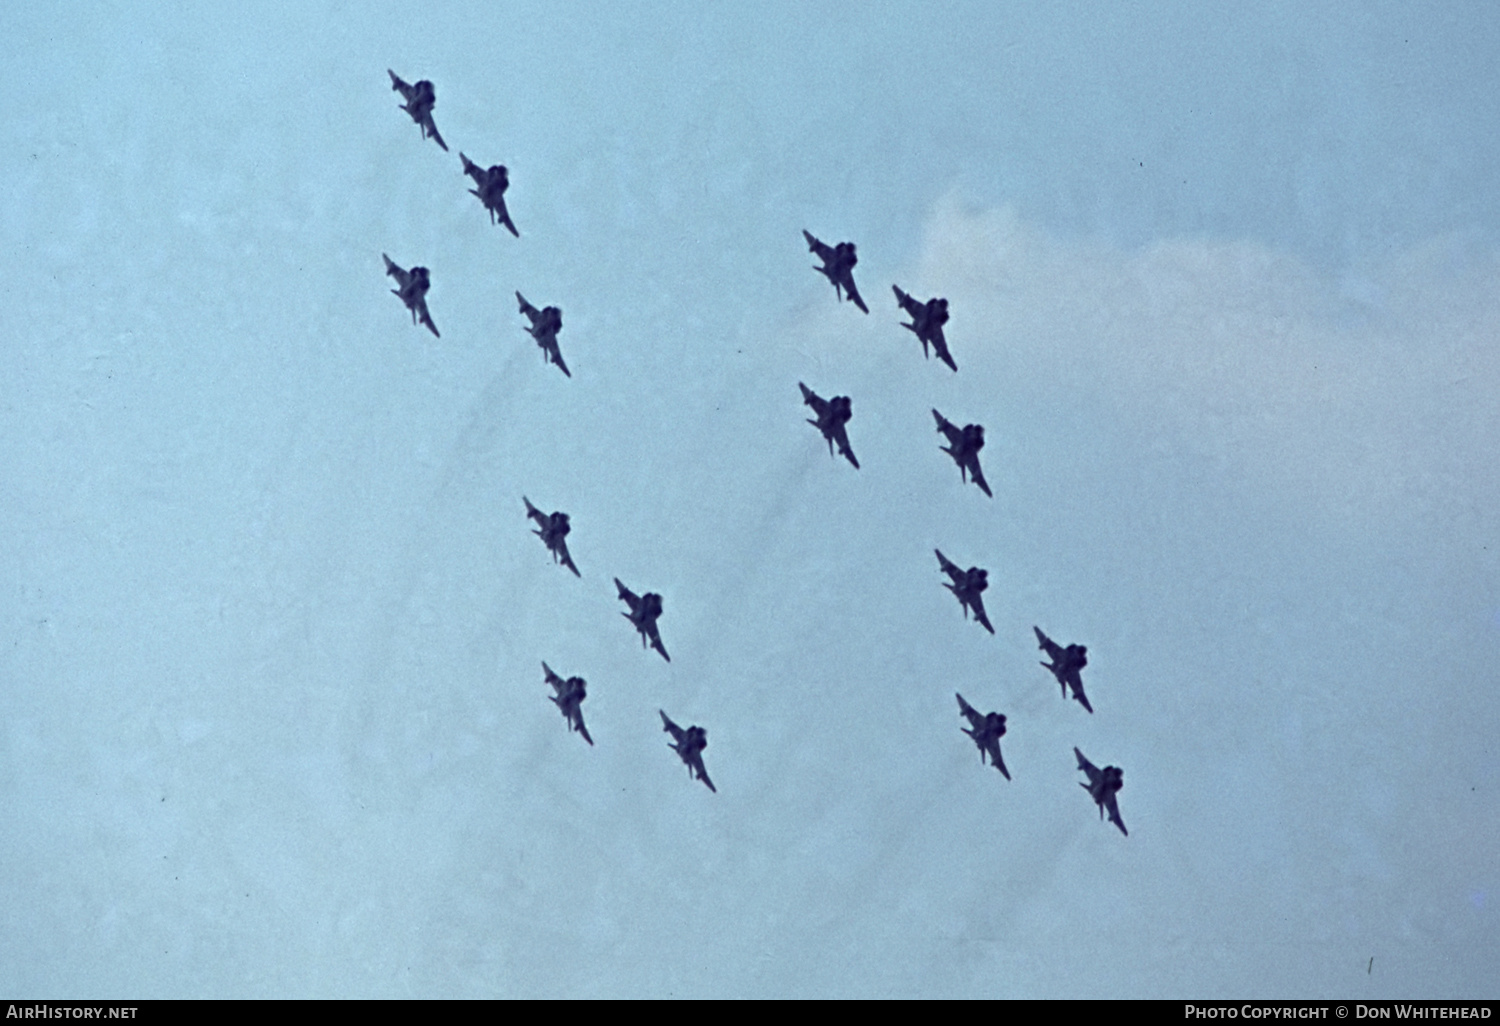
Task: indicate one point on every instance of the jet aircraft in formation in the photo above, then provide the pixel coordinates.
(689, 745)
(553, 531)
(420, 99)
(927, 320)
(492, 183)
(545, 324)
(413, 291)
(644, 611)
(838, 267)
(569, 695)
(964, 447)
(1103, 785)
(1065, 666)
(986, 731)
(968, 585)
(833, 414)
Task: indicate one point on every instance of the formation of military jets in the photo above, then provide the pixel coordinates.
(832, 416)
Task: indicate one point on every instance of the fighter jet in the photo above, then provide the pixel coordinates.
(964, 447)
(1103, 785)
(987, 732)
(689, 745)
(927, 320)
(967, 586)
(545, 324)
(570, 693)
(644, 610)
(491, 192)
(420, 99)
(1065, 666)
(413, 291)
(833, 414)
(553, 532)
(838, 267)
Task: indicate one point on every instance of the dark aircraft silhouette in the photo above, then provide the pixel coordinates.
(967, 586)
(987, 732)
(413, 291)
(491, 192)
(420, 99)
(553, 531)
(927, 320)
(1065, 666)
(838, 267)
(689, 745)
(545, 324)
(1103, 785)
(570, 693)
(964, 447)
(833, 414)
(644, 610)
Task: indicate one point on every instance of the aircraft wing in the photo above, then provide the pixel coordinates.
(995, 758)
(978, 475)
(811, 398)
(823, 250)
(404, 88)
(671, 728)
(567, 560)
(656, 642)
(969, 712)
(577, 724)
(430, 128)
(940, 344)
(1094, 773)
(910, 305)
(847, 280)
(841, 438)
(949, 567)
(473, 170)
(1075, 681)
(553, 679)
(952, 433)
(697, 767)
(555, 354)
(1114, 814)
(978, 604)
(634, 601)
(396, 271)
(425, 317)
(535, 514)
(504, 216)
(526, 308)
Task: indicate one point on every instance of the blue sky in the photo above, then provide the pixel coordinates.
(1224, 295)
